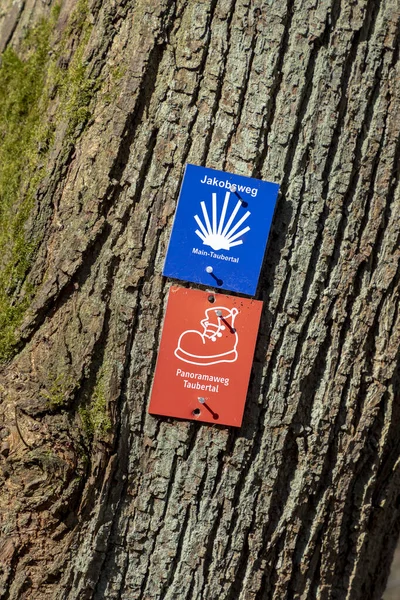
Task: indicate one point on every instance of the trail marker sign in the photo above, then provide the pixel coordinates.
(205, 356)
(220, 229)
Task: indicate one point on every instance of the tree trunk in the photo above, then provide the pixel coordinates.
(103, 105)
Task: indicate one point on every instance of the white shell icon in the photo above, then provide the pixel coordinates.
(218, 235)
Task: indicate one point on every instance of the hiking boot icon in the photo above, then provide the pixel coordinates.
(215, 344)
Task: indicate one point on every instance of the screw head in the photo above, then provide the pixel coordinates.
(209, 269)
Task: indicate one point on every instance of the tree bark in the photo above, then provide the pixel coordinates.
(100, 499)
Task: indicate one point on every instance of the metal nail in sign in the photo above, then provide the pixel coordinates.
(220, 229)
(205, 356)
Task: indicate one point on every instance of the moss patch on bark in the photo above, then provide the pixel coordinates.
(23, 140)
(94, 414)
(31, 80)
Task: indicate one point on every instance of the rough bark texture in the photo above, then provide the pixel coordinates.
(101, 500)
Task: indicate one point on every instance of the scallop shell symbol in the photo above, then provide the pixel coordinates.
(221, 236)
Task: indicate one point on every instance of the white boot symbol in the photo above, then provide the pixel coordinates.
(216, 344)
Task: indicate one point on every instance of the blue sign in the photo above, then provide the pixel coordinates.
(220, 229)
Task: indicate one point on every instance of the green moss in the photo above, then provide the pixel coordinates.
(21, 138)
(76, 88)
(112, 90)
(77, 92)
(79, 20)
(30, 81)
(94, 415)
(58, 391)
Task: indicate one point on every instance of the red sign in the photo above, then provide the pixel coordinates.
(205, 356)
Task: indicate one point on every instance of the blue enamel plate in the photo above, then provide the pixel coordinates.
(220, 229)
